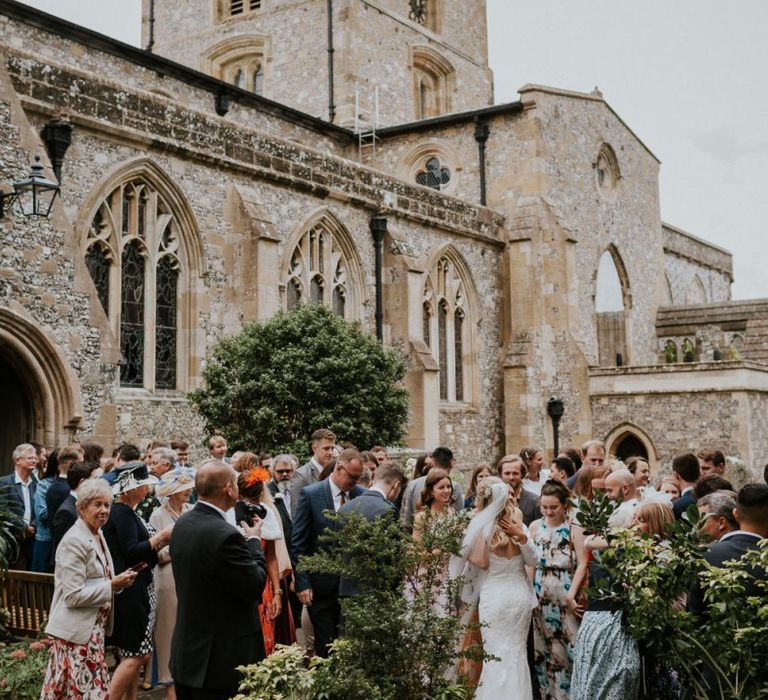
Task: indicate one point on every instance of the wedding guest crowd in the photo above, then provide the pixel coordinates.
(170, 537)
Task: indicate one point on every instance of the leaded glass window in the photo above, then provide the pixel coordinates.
(165, 324)
(434, 174)
(318, 272)
(132, 255)
(445, 291)
(97, 261)
(258, 80)
(442, 340)
(132, 316)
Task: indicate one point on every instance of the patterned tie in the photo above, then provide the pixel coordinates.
(343, 497)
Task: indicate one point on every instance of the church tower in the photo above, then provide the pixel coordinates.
(414, 59)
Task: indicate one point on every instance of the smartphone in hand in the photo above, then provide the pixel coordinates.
(139, 567)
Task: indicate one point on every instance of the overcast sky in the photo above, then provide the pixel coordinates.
(687, 76)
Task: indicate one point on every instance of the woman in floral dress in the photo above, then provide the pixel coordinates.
(81, 609)
(554, 625)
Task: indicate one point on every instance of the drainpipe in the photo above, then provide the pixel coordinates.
(331, 104)
(378, 231)
(482, 131)
(151, 42)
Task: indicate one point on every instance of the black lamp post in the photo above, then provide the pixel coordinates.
(378, 231)
(555, 410)
(34, 194)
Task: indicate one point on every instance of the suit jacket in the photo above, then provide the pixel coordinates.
(529, 505)
(730, 549)
(371, 505)
(64, 518)
(82, 585)
(57, 493)
(220, 577)
(412, 498)
(285, 516)
(304, 476)
(309, 522)
(681, 504)
(12, 494)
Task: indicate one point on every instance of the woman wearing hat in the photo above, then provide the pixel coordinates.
(132, 545)
(175, 487)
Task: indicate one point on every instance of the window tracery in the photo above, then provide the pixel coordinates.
(319, 272)
(445, 291)
(135, 268)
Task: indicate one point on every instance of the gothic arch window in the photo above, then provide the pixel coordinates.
(448, 331)
(324, 270)
(133, 256)
(695, 292)
(607, 173)
(611, 303)
(433, 83)
(240, 61)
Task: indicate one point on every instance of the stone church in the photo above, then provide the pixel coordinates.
(259, 154)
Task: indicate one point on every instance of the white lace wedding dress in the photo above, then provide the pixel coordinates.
(505, 607)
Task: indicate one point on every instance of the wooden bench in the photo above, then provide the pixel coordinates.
(27, 596)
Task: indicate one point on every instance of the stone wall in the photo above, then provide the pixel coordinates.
(686, 257)
(371, 49)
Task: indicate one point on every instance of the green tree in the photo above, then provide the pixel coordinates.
(271, 385)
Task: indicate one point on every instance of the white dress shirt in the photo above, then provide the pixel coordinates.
(25, 494)
(336, 493)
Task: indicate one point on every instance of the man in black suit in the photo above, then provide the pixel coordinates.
(376, 502)
(59, 488)
(220, 573)
(685, 472)
(66, 514)
(511, 470)
(18, 492)
(323, 450)
(320, 592)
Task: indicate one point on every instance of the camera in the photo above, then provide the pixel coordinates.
(253, 510)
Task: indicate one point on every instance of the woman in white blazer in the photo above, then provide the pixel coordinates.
(81, 609)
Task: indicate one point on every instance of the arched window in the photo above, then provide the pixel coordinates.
(434, 174)
(320, 263)
(135, 268)
(445, 290)
(433, 82)
(240, 60)
(610, 307)
(695, 293)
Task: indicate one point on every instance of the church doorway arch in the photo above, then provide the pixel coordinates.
(41, 397)
(627, 440)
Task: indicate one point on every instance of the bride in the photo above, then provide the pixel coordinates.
(494, 551)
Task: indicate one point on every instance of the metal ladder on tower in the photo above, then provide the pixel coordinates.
(366, 124)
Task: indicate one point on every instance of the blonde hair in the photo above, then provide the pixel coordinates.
(499, 538)
(658, 516)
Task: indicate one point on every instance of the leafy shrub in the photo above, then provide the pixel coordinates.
(22, 670)
(271, 385)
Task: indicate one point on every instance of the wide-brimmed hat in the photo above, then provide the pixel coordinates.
(177, 480)
(132, 475)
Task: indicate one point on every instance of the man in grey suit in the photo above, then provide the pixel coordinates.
(323, 446)
(442, 458)
(376, 502)
(512, 470)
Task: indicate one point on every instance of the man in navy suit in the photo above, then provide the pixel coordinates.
(686, 472)
(751, 513)
(320, 592)
(376, 502)
(323, 450)
(18, 492)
